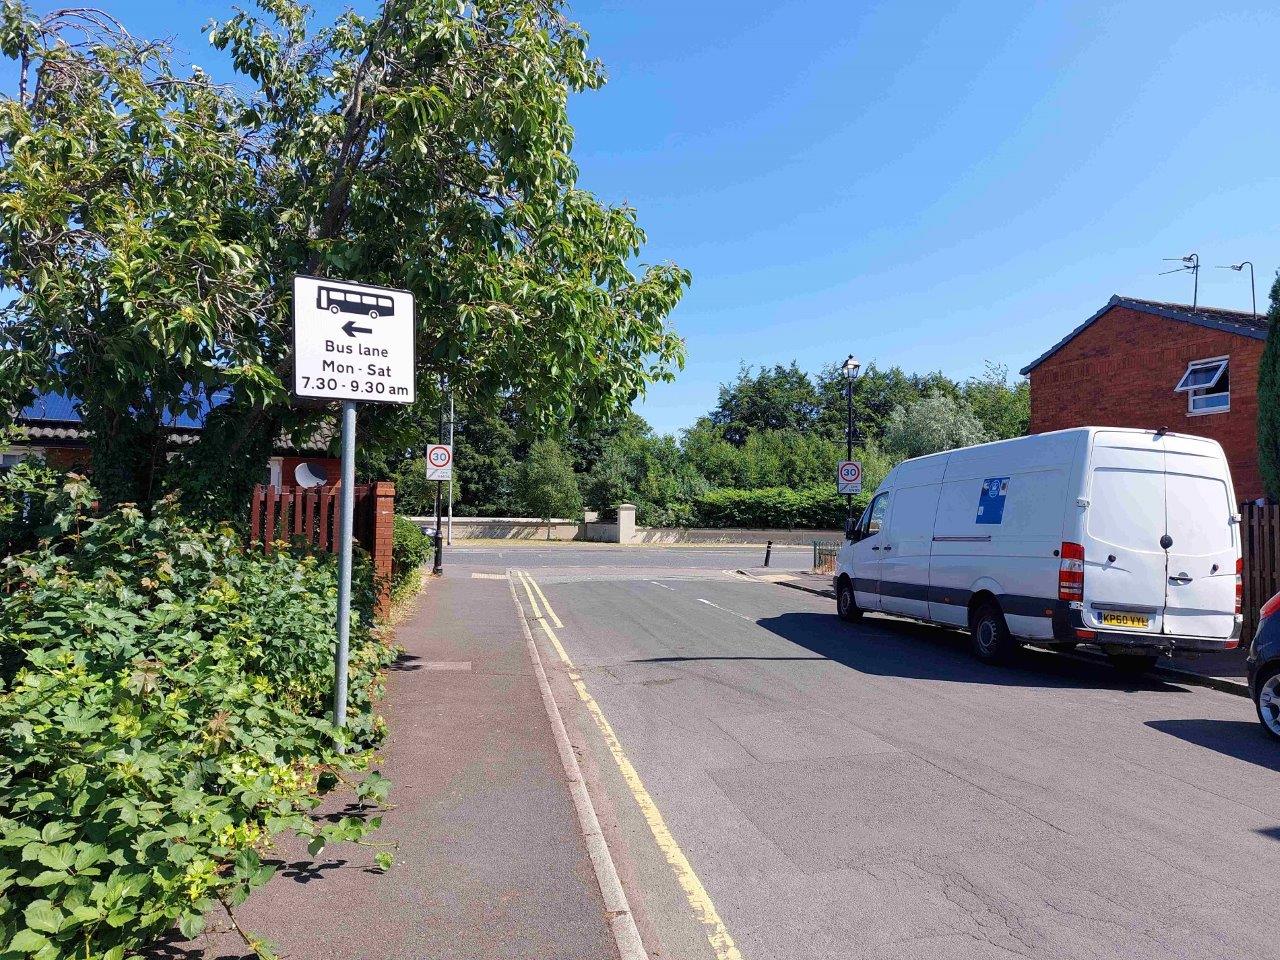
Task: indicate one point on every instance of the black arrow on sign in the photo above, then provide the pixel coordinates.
(350, 329)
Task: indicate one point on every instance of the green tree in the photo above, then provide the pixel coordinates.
(876, 394)
(548, 485)
(636, 465)
(1003, 408)
(930, 425)
(1269, 399)
(774, 398)
(150, 220)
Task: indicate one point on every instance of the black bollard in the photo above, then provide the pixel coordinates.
(768, 549)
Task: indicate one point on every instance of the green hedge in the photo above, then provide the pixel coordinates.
(164, 697)
(410, 549)
(815, 508)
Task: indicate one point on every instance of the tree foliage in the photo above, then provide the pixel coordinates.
(930, 425)
(1269, 399)
(548, 485)
(774, 398)
(666, 478)
(150, 221)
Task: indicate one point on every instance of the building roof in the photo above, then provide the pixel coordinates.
(64, 409)
(1216, 318)
(56, 416)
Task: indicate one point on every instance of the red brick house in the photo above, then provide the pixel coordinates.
(1142, 363)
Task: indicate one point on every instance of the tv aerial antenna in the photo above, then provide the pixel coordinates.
(1190, 262)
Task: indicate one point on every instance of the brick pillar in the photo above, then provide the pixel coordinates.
(384, 514)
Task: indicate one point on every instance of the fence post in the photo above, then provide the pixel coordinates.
(269, 524)
(384, 515)
(255, 513)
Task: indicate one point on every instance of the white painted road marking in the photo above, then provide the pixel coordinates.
(662, 585)
(699, 900)
(731, 613)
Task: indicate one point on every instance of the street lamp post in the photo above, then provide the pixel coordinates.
(1253, 287)
(850, 370)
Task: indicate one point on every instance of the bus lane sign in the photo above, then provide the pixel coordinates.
(352, 341)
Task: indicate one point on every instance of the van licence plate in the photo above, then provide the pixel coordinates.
(1131, 620)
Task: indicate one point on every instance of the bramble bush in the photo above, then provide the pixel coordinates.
(164, 696)
(29, 498)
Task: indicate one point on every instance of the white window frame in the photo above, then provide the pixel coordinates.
(35, 453)
(1207, 390)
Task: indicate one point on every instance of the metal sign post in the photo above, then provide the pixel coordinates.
(355, 343)
(346, 523)
(449, 536)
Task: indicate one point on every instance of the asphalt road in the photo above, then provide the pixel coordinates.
(873, 791)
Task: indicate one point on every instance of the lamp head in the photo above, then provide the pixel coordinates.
(851, 367)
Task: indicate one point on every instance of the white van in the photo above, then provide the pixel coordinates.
(1127, 539)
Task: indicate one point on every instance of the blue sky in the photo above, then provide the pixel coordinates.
(927, 185)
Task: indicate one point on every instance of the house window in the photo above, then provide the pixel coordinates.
(11, 457)
(1207, 384)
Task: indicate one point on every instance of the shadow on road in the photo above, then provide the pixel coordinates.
(406, 661)
(893, 648)
(171, 946)
(686, 659)
(306, 871)
(1242, 739)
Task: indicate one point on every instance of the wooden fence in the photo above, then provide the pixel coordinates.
(1260, 546)
(309, 515)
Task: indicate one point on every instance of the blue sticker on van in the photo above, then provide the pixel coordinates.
(991, 500)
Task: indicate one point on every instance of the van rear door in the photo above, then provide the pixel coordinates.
(1124, 579)
(1200, 595)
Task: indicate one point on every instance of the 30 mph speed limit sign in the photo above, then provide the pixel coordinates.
(440, 461)
(849, 477)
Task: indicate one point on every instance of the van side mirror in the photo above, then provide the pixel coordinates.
(851, 531)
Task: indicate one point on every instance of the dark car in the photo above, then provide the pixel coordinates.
(1264, 667)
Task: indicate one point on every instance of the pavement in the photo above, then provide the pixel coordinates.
(773, 783)
(490, 859)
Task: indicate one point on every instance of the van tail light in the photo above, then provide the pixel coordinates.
(1240, 587)
(1270, 608)
(1071, 572)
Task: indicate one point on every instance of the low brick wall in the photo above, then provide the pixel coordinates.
(503, 528)
(527, 528)
(732, 535)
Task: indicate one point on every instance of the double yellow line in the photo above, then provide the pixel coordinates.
(699, 900)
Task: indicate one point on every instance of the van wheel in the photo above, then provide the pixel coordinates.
(846, 603)
(1133, 664)
(1267, 701)
(992, 641)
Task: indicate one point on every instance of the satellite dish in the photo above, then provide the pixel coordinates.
(310, 475)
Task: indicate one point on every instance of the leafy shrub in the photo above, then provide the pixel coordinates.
(163, 693)
(815, 508)
(30, 500)
(410, 549)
